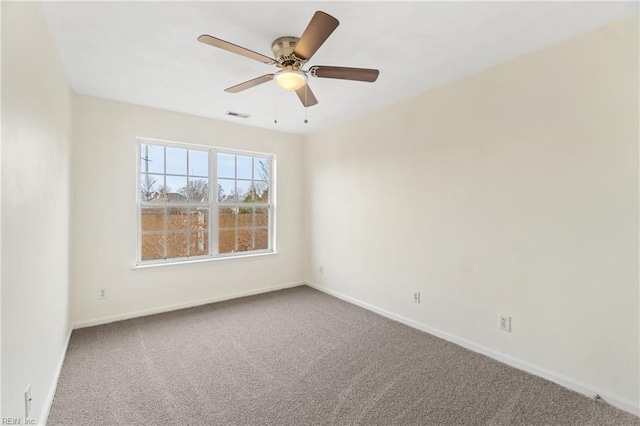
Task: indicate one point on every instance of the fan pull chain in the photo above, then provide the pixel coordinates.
(306, 91)
(275, 104)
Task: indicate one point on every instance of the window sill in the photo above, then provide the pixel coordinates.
(205, 260)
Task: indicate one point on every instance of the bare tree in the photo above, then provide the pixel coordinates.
(147, 190)
(196, 190)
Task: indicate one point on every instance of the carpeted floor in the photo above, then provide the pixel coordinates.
(297, 357)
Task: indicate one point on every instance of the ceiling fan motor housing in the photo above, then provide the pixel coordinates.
(283, 48)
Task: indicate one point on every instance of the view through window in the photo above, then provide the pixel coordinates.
(196, 202)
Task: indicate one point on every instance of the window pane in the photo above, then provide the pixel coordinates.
(176, 161)
(245, 240)
(199, 219)
(261, 168)
(152, 246)
(199, 163)
(198, 190)
(244, 167)
(151, 159)
(226, 166)
(176, 245)
(152, 219)
(199, 244)
(226, 241)
(227, 217)
(176, 218)
(151, 187)
(245, 217)
(262, 216)
(226, 190)
(262, 239)
(176, 188)
(261, 191)
(243, 191)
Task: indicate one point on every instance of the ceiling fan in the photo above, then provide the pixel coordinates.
(291, 54)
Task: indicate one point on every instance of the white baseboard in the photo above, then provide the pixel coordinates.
(191, 304)
(54, 385)
(567, 382)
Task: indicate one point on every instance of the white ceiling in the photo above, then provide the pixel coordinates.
(146, 52)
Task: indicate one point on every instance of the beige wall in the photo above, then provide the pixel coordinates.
(104, 213)
(36, 153)
(513, 191)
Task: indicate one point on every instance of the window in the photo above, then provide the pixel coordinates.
(197, 203)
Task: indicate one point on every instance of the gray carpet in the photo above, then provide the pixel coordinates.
(297, 357)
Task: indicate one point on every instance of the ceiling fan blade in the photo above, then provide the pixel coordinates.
(306, 96)
(345, 73)
(234, 48)
(249, 84)
(319, 29)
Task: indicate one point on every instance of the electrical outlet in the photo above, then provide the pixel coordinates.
(102, 293)
(321, 269)
(416, 297)
(27, 400)
(505, 323)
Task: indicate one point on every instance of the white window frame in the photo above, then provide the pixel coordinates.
(213, 204)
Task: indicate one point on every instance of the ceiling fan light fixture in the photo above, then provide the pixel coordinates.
(291, 80)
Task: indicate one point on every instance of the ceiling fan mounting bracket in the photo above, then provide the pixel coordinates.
(283, 48)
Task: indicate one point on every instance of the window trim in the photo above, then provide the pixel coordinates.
(213, 204)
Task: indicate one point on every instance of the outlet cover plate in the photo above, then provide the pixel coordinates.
(27, 400)
(505, 323)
